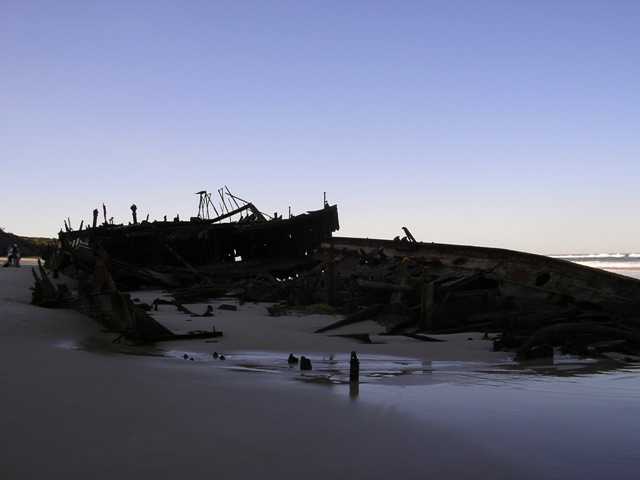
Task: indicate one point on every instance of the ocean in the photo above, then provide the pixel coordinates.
(622, 263)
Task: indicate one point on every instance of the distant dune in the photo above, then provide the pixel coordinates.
(29, 246)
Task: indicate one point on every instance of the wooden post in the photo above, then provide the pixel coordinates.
(329, 276)
(426, 307)
(354, 368)
(396, 297)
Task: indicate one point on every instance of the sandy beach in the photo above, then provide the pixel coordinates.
(75, 405)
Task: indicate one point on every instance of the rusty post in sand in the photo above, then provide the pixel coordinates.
(354, 370)
(134, 210)
(305, 363)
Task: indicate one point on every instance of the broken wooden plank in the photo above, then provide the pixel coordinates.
(365, 314)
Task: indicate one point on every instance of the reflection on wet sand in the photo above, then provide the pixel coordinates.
(387, 370)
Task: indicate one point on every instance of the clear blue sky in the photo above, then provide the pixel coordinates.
(510, 123)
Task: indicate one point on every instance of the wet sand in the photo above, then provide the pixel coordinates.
(74, 405)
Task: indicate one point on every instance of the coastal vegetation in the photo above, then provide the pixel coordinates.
(29, 246)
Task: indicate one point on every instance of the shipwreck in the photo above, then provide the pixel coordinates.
(173, 253)
(530, 304)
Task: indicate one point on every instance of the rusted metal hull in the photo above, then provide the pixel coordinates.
(535, 303)
(515, 273)
(143, 253)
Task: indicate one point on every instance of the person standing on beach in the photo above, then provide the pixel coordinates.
(13, 255)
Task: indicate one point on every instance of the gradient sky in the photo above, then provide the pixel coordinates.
(512, 124)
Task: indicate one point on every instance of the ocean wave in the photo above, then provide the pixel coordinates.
(572, 256)
(614, 266)
(622, 263)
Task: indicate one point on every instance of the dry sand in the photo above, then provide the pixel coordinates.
(74, 406)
